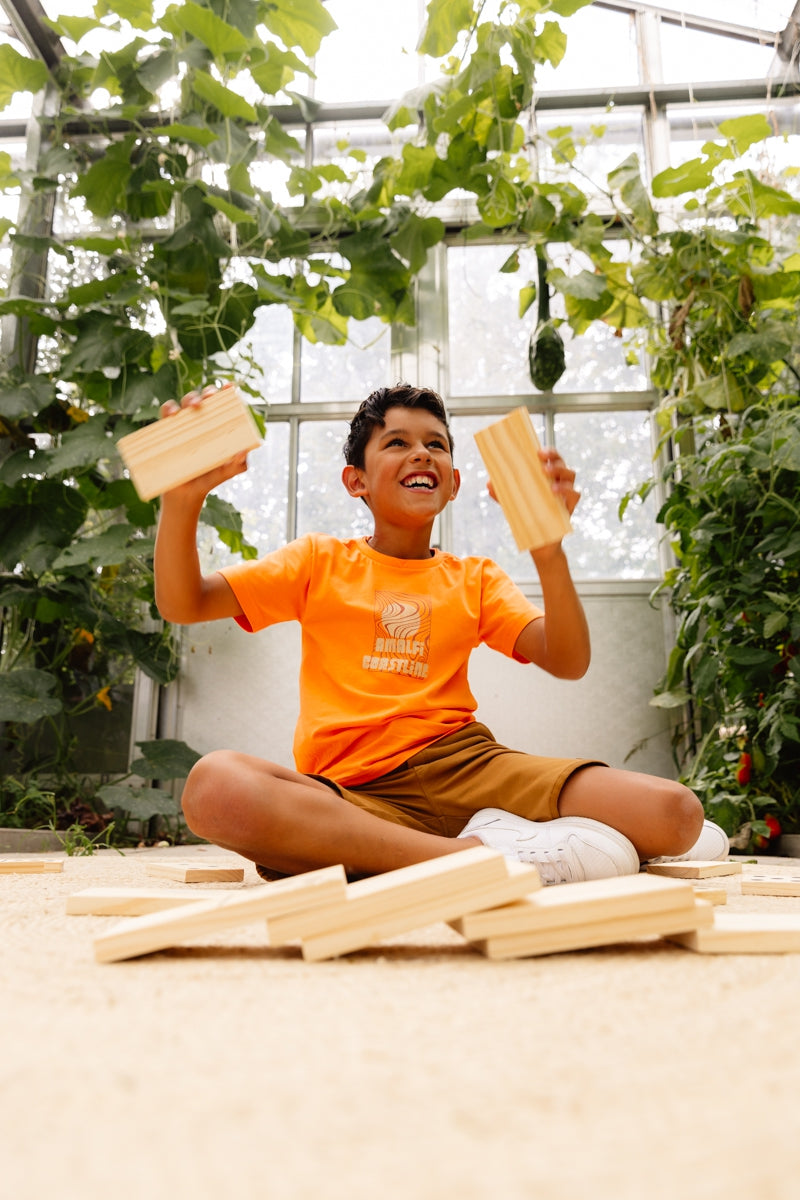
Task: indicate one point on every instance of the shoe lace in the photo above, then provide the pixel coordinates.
(552, 863)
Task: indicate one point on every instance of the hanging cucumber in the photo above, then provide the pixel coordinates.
(546, 349)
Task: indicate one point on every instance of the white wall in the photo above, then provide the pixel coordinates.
(239, 691)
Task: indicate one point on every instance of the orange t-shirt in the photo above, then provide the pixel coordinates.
(386, 642)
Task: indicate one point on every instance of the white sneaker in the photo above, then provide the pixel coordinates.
(565, 850)
(711, 846)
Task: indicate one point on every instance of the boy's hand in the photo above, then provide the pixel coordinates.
(202, 484)
(562, 478)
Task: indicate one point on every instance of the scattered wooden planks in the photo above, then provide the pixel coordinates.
(510, 451)
(170, 452)
(745, 933)
(714, 895)
(160, 930)
(187, 872)
(406, 899)
(30, 866)
(699, 869)
(578, 916)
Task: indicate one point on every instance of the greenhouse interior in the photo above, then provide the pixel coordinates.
(589, 209)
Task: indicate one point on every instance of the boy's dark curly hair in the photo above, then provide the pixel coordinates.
(372, 413)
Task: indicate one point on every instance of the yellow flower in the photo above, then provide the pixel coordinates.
(83, 635)
(77, 414)
(103, 698)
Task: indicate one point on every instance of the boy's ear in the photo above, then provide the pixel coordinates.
(456, 482)
(353, 481)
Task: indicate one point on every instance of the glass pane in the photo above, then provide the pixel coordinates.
(479, 526)
(371, 55)
(264, 356)
(489, 342)
(691, 56)
(611, 453)
(350, 372)
(261, 497)
(323, 505)
(601, 50)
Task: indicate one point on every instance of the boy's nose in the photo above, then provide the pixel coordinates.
(421, 452)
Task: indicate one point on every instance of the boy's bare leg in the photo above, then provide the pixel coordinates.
(278, 817)
(660, 816)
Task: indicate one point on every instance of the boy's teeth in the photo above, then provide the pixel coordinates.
(418, 481)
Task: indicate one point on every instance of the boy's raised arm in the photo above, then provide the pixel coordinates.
(184, 595)
(558, 642)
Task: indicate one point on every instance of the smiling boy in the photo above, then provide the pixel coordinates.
(392, 767)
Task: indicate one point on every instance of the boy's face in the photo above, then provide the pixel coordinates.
(408, 473)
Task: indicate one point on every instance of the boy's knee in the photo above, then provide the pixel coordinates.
(203, 788)
(685, 816)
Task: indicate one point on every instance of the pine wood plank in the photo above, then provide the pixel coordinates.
(30, 866)
(160, 930)
(170, 452)
(775, 883)
(598, 933)
(510, 451)
(714, 895)
(185, 872)
(700, 869)
(745, 933)
(133, 902)
(575, 904)
(409, 898)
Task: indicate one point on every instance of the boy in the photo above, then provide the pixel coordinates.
(392, 767)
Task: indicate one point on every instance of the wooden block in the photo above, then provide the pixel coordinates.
(699, 869)
(510, 451)
(598, 933)
(579, 904)
(771, 884)
(159, 930)
(745, 933)
(714, 895)
(30, 866)
(167, 453)
(189, 872)
(440, 889)
(133, 902)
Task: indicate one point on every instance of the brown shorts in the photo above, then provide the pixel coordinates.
(441, 787)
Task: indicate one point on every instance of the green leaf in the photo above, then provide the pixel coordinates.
(527, 297)
(197, 135)
(499, 207)
(690, 176)
(107, 549)
(73, 28)
(775, 622)
(566, 8)
(627, 177)
(26, 696)
(164, 758)
(103, 185)
(302, 23)
(220, 37)
(743, 132)
(674, 699)
(765, 346)
(278, 69)
(138, 13)
(551, 44)
(19, 74)
(415, 237)
(226, 101)
(81, 447)
(586, 285)
(446, 20)
(140, 803)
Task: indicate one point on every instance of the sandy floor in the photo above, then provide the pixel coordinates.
(416, 1070)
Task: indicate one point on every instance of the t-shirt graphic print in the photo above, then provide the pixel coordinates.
(402, 635)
